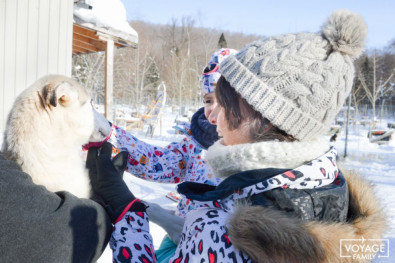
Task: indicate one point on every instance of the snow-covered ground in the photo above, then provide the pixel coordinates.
(377, 164)
(372, 161)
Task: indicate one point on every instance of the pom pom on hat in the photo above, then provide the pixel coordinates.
(346, 32)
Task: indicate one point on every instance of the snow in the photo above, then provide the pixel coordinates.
(377, 164)
(105, 13)
(372, 161)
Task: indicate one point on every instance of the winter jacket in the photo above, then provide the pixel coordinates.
(41, 226)
(268, 214)
(178, 162)
(317, 241)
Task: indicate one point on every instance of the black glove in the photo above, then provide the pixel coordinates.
(106, 179)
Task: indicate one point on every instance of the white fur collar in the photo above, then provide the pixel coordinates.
(228, 160)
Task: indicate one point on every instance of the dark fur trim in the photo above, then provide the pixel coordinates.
(267, 235)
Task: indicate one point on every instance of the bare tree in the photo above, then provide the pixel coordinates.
(175, 53)
(357, 96)
(88, 70)
(378, 88)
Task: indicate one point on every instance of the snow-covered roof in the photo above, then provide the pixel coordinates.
(107, 17)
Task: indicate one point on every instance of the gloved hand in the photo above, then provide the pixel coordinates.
(166, 218)
(106, 179)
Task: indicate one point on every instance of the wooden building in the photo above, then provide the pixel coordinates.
(38, 37)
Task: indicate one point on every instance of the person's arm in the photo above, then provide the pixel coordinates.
(37, 225)
(130, 239)
(160, 164)
(167, 219)
(204, 234)
(164, 217)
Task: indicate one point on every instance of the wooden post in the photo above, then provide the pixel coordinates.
(109, 79)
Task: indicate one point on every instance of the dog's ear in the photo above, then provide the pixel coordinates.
(54, 93)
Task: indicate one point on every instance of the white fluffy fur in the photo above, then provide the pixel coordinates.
(228, 160)
(346, 31)
(48, 124)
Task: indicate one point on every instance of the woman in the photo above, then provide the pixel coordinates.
(282, 198)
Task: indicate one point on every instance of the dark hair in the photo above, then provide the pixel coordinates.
(238, 109)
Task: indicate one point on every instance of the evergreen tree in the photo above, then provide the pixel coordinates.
(151, 78)
(367, 73)
(222, 42)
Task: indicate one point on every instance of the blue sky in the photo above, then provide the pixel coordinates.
(267, 18)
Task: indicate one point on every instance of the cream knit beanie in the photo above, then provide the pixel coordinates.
(299, 82)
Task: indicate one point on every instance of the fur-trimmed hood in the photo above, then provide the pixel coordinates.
(268, 235)
(226, 160)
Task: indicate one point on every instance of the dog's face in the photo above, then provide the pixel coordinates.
(72, 105)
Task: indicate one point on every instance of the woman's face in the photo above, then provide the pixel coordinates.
(210, 102)
(229, 137)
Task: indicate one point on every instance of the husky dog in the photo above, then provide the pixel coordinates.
(46, 127)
